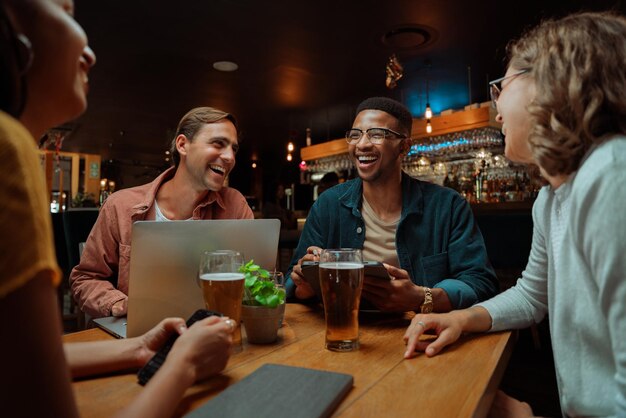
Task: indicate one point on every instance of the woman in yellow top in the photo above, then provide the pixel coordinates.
(44, 63)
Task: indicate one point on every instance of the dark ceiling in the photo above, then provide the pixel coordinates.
(301, 64)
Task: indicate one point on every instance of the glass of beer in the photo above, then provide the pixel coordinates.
(341, 281)
(222, 285)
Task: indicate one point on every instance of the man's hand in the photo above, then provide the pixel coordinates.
(120, 307)
(399, 294)
(303, 289)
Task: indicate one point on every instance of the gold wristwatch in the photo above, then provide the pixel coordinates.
(427, 306)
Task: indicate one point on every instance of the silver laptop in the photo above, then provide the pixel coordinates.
(164, 262)
(116, 326)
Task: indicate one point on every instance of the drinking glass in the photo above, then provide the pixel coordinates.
(222, 285)
(279, 281)
(341, 281)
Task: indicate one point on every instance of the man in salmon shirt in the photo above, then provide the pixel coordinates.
(203, 152)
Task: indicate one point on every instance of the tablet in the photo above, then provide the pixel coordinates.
(310, 271)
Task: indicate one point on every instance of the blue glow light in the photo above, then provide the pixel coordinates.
(437, 147)
(442, 95)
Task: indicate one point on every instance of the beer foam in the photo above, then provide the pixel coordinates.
(341, 265)
(222, 277)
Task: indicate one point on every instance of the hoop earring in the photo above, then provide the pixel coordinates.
(24, 52)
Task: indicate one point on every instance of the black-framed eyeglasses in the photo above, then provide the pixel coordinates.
(495, 86)
(375, 135)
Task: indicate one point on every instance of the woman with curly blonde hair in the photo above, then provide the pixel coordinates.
(562, 106)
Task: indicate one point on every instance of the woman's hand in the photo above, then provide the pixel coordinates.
(204, 348)
(151, 341)
(448, 328)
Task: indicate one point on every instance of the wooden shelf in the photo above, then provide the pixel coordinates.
(325, 149)
(91, 176)
(457, 121)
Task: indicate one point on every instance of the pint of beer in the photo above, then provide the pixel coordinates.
(222, 285)
(341, 281)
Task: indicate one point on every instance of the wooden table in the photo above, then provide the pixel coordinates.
(460, 382)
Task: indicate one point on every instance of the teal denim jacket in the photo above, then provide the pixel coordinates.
(437, 241)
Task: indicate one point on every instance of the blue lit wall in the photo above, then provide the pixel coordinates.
(449, 95)
(447, 86)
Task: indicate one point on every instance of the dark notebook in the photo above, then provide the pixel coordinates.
(275, 391)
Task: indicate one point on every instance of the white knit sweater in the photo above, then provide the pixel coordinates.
(576, 272)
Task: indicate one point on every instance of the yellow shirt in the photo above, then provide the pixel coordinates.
(26, 243)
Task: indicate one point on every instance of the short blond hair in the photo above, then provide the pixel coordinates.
(578, 64)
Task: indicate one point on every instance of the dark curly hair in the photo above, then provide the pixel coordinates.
(393, 107)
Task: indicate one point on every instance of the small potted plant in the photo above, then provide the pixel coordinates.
(263, 304)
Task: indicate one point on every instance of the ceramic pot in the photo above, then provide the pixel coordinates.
(262, 323)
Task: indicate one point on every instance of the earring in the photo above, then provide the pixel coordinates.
(24, 51)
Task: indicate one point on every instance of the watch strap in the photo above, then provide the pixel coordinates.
(427, 306)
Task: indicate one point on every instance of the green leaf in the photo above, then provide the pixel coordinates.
(249, 281)
(259, 290)
(273, 301)
(282, 294)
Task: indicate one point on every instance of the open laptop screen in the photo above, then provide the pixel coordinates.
(164, 262)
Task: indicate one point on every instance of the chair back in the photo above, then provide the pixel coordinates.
(508, 237)
(77, 224)
(59, 242)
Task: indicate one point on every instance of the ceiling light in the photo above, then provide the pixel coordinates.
(429, 127)
(428, 113)
(289, 157)
(290, 146)
(226, 66)
(409, 37)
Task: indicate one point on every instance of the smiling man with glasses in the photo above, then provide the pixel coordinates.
(424, 233)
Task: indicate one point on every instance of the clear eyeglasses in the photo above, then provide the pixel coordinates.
(495, 89)
(375, 135)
